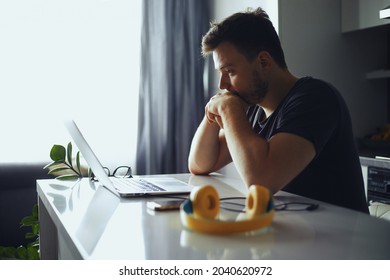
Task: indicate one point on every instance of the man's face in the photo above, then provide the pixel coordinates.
(239, 75)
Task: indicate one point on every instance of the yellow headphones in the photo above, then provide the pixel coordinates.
(199, 213)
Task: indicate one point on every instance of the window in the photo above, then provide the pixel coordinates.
(69, 59)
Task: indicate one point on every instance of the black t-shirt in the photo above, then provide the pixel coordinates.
(315, 110)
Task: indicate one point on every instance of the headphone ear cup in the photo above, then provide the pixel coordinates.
(257, 201)
(205, 202)
(199, 213)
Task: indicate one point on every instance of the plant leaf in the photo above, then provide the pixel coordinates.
(57, 169)
(69, 154)
(67, 177)
(21, 253)
(9, 252)
(53, 164)
(35, 211)
(90, 173)
(32, 253)
(35, 229)
(28, 221)
(30, 235)
(57, 153)
(78, 162)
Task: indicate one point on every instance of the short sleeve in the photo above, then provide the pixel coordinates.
(312, 112)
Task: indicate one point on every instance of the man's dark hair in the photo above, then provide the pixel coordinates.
(250, 32)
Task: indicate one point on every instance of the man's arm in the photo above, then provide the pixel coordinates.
(209, 151)
(272, 163)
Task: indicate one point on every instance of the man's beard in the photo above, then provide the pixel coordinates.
(257, 92)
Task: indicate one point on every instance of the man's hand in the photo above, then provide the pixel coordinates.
(219, 102)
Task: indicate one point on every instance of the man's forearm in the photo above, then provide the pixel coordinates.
(206, 149)
(248, 150)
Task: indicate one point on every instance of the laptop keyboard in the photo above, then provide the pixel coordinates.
(131, 184)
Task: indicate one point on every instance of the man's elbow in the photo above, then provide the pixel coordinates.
(196, 170)
(265, 182)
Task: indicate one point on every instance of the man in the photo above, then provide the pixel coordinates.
(281, 131)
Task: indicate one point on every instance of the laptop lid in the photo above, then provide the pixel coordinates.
(170, 185)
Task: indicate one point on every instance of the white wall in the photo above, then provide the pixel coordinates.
(225, 8)
(310, 32)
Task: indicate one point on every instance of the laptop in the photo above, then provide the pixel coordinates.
(125, 187)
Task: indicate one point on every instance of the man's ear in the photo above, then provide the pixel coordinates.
(265, 59)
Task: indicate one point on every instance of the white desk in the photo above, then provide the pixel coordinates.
(82, 221)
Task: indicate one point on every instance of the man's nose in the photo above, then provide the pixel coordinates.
(224, 82)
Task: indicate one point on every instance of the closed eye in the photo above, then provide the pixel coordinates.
(230, 72)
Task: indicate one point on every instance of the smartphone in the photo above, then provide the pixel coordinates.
(165, 205)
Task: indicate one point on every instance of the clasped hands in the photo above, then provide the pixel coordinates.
(222, 101)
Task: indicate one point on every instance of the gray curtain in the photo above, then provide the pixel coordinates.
(172, 97)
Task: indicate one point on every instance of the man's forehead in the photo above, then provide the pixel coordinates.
(225, 55)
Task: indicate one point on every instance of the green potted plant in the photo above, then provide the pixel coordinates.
(65, 167)
(31, 250)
